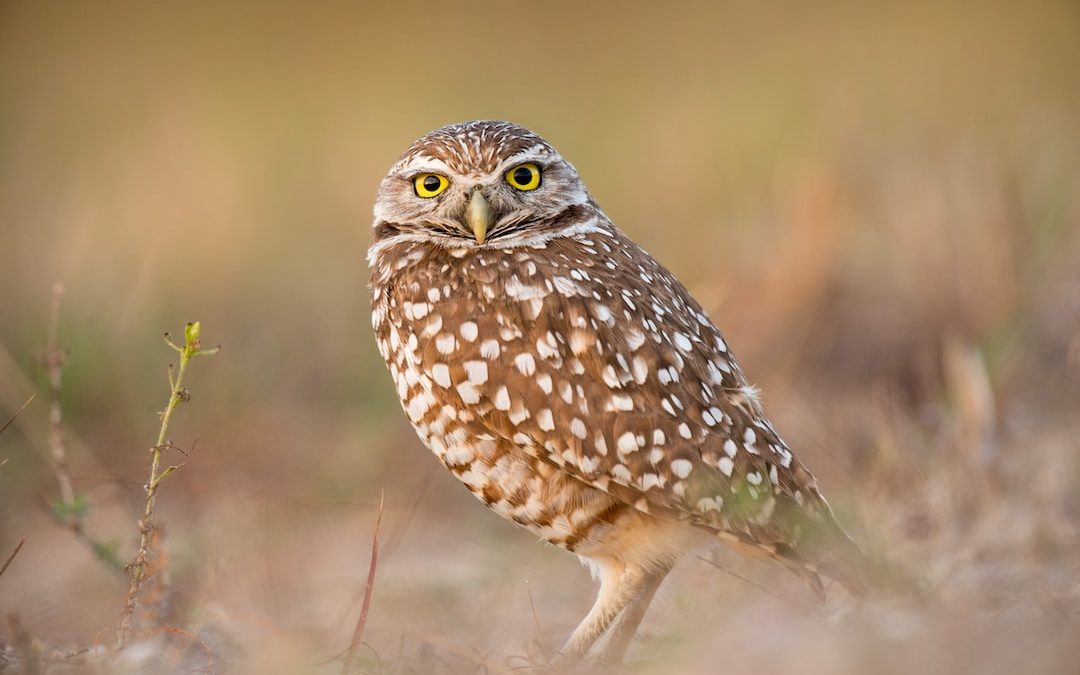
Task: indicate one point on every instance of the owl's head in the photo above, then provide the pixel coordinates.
(481, 183)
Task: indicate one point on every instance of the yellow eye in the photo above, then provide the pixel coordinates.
(430, 185)
(524, 176)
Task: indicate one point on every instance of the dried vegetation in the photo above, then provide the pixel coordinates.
(880, 207)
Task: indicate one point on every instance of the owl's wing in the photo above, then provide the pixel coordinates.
(593, 357)
(588, 355)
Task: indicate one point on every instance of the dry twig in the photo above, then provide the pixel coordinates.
(53, 359)
(17, 413)
(358, 632)
(70, 508)
(7, 563)
(137, 569)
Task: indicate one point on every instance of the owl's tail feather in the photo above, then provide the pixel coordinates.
(842, 561)
(807, 573)
(826, 550)
(832, 553)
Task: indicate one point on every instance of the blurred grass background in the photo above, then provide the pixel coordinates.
(877, 203)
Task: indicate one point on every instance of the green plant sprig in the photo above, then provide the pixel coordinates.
(178, 394)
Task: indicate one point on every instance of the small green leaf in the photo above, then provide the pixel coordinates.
(109, 552)
(66, 512)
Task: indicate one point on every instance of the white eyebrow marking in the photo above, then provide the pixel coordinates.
(422, 164)
(426, 164)
(537, 153)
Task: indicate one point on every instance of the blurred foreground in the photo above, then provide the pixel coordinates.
(881, 209)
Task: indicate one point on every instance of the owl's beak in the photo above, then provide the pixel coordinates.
(478, 216)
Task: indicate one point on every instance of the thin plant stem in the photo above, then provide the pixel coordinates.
(13, 417)
(54, 359)
(7, 563)
(69, 509)
(177, 395)
(361, 622)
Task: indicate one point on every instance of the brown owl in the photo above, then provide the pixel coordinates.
(571, 382)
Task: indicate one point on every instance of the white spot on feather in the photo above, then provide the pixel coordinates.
(600, 443)
(666, 405)
(706, 504)
(469, 393)
(476, 371)
(545, 420)
(502, 399)
(651, 480)
(726, 465)
(634, 339)
(440, 372)
(489, 349)
(469, 330)
(681, 467)
(543, 380)
(445, 343)
(525, 363)
(577, 428)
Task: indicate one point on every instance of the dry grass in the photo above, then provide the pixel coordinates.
(365, 605)
(880, 207)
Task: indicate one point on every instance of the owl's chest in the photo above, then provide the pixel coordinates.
(445, 333)
(447, 347)
(428, 332)
(435, 342)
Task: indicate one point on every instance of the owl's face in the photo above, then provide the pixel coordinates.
(482, 183)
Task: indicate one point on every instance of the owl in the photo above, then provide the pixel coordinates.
(572, 383)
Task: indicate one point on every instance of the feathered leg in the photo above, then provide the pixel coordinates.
(619, 586)
(627, 624)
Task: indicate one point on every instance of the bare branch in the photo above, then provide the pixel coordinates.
(53, 359)
(17, 413)
(7, 563)
(361, 622)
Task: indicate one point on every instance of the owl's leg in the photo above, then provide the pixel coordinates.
(619, 586)
(627, 624)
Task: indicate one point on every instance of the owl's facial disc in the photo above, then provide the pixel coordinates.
(482, 183)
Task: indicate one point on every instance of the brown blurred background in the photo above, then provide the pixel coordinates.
(879, 205)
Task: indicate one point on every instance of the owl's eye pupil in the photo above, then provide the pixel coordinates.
(432, 183)
(522, 175)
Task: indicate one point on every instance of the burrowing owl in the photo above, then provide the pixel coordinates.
(570, 381)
